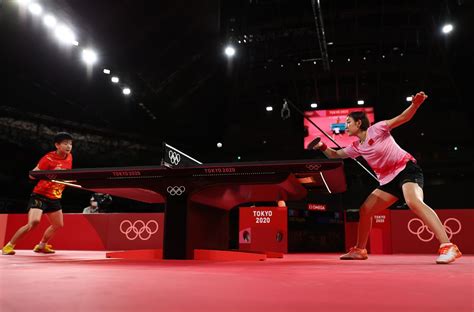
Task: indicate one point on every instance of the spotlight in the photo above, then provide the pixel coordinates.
(314, 105)
(106, 71)
(89, 56)
(115, 79)
(23, 2)
(360, 102)
(65, 35)
(229, 51)
(35, 9)
(447, 28)
(49, 21)
(126, 91)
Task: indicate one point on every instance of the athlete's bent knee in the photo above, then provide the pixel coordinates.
(365, 212)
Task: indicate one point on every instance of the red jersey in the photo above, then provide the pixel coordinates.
(52, 161)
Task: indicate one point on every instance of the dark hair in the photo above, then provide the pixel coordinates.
(362, 117)
(102, 199)
(62, 136)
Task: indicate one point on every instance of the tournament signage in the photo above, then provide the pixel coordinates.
(263, 229)
(317, 207)
(262, 216)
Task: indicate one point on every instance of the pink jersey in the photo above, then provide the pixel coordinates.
(381, 152)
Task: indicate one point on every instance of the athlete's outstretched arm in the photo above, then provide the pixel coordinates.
(34, 169)
(329, 152)
(408, 113)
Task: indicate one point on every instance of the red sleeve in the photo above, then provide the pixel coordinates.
(44, 162)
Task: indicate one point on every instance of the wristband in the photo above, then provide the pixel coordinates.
(323, 147)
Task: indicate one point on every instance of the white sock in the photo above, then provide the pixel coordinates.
(445, 244)
(41, 245)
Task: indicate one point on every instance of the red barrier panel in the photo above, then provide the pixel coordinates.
(401, 231)
(380, 238)
(93, 231)
(263, 229)
(3, 227)
(410, 235)
(135, 231)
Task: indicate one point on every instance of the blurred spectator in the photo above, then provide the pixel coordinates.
(98, 203)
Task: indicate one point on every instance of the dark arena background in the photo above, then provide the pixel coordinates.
(190, 123)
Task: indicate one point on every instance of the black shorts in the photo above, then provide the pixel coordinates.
(44, 203)
(411, 173)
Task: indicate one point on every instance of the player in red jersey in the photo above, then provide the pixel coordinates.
(46, 197)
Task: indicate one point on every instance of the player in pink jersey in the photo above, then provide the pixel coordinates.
(398, 174)
(46, 196)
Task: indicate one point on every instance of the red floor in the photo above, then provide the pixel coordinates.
(87, 281)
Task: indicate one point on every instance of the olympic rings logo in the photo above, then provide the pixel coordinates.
(313, 167)
(451, 225)
(139, 229)
(175, 158)
(176, 190)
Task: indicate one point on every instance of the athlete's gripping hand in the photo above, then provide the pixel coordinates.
(419, 98)
(317, 144)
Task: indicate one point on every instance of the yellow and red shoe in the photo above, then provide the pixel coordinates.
(8, 249)
(47, 249)
(355, 254)
(448, 254)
